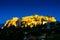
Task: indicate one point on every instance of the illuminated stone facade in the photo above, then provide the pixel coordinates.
(36, 20)
(29, 21)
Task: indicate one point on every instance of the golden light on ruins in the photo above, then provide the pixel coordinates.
(37, 20)
(13, 21)
(30, 21)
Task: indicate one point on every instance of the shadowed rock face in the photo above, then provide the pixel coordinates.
(29, 21)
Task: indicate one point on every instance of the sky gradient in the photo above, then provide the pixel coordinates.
(20, 8)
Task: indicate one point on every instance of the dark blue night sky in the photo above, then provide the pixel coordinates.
(20, 8)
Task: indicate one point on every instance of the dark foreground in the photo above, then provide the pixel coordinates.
(41, 32)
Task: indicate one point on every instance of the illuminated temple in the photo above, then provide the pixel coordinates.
(29, 21)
